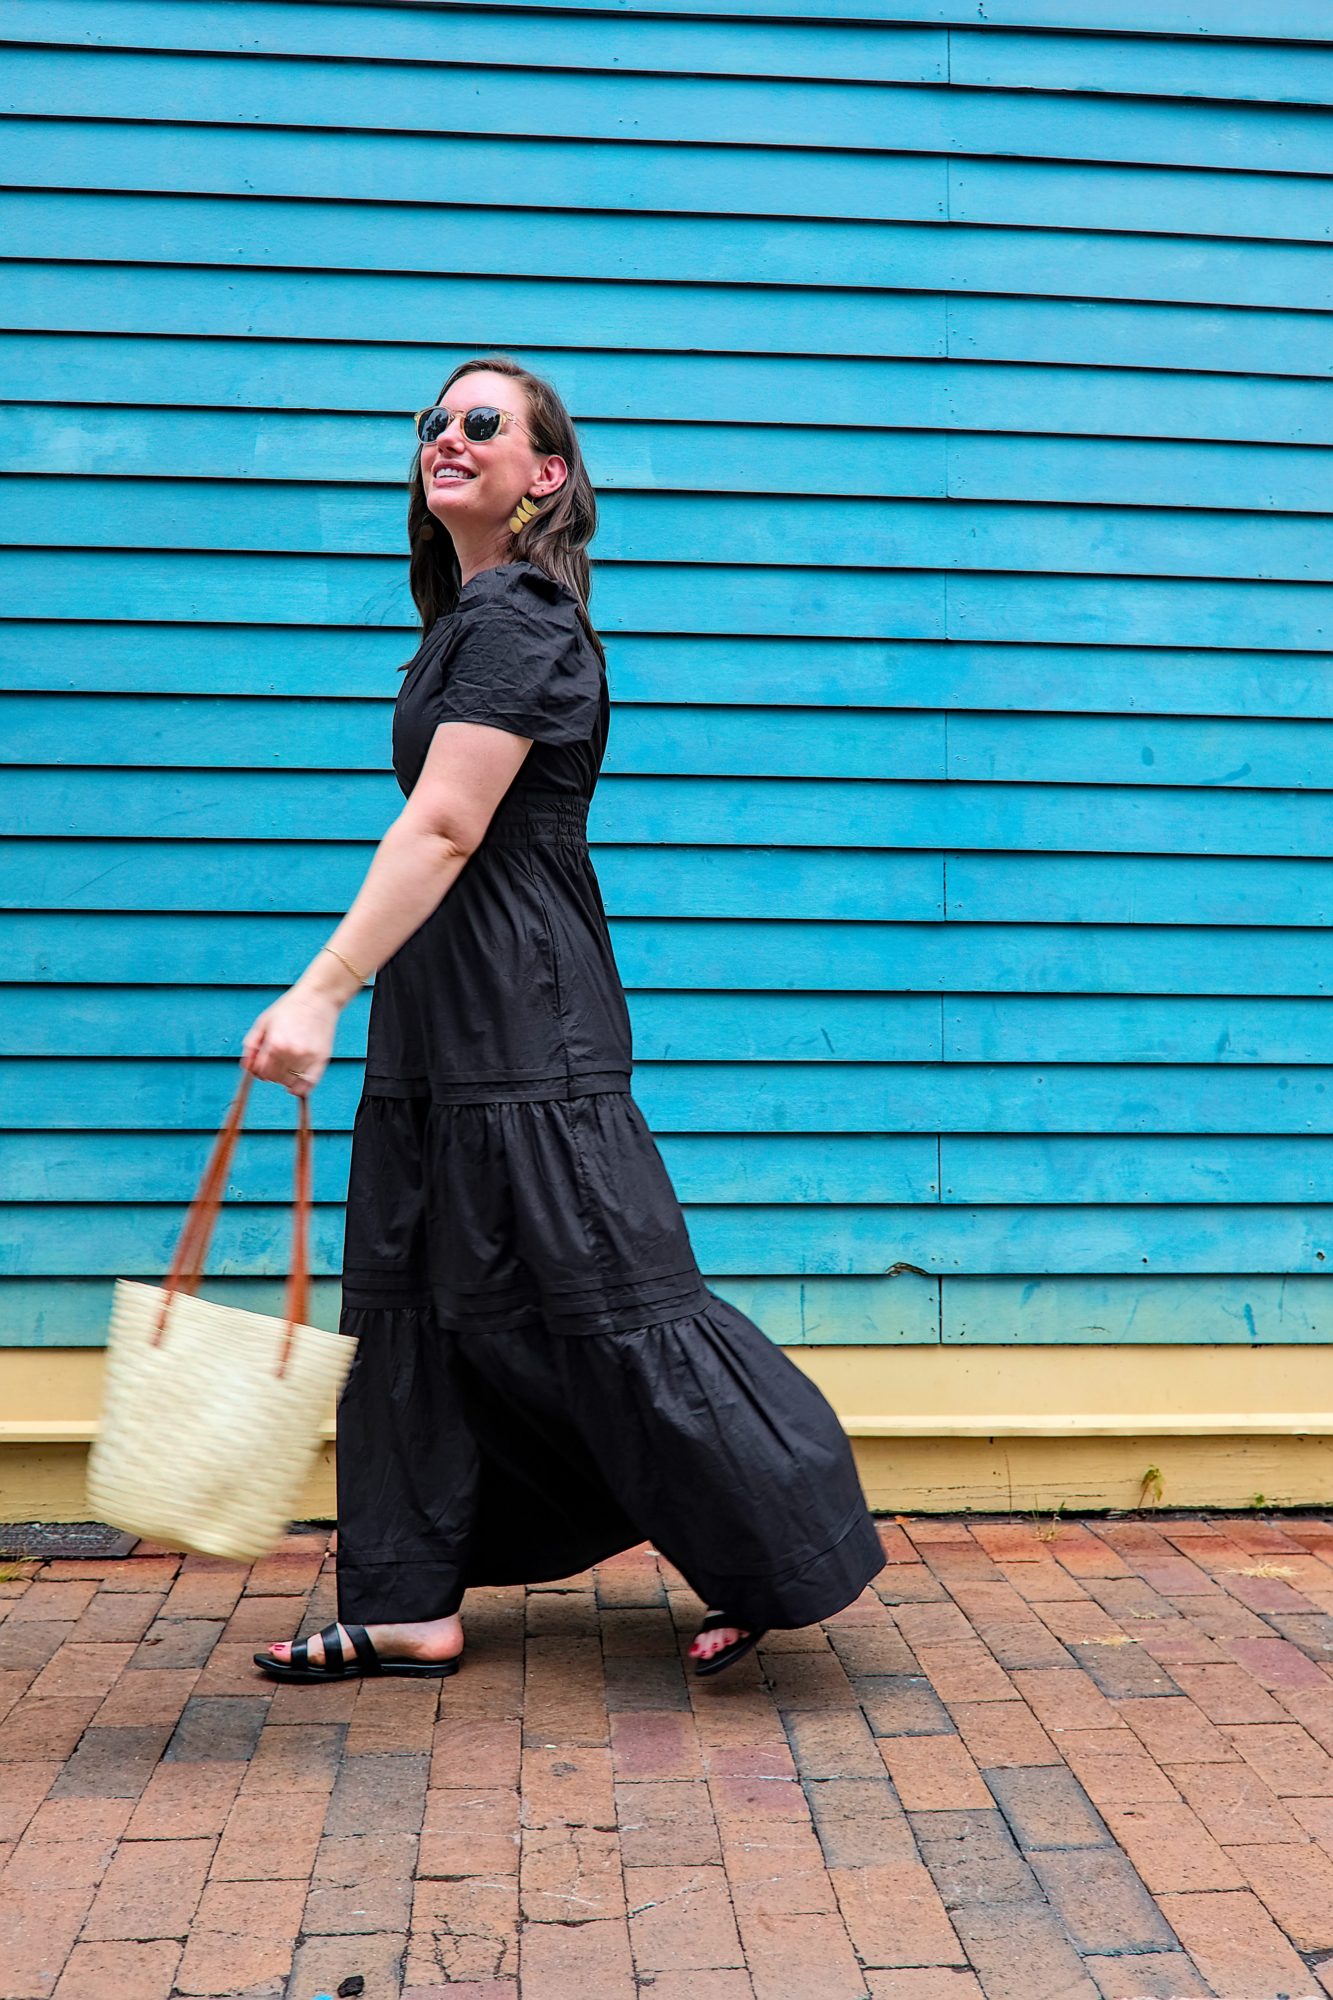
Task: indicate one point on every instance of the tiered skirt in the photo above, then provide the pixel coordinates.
(542, 1378)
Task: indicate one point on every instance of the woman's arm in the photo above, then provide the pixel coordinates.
(467, 771)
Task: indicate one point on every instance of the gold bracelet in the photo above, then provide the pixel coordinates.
(362, 976)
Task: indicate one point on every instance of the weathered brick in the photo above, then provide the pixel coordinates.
(150, 1890)
(1235, 1943)
(470, 1832)
(1171, 1848)
(794, 1957)
(590, 1960)
(668, 1822)
(973, 1858)
(1288, 1760)
(1021, 1952)
(378, 1794)
(1235, 1805)
(114, 1971)
(185, 1801)
(656, 1743)
(838, 1745)
(933, 1773)
(1047, 1808)
(902, 1705)
(111, 1763)
(1153, 1975)
(681, 1917)
(1295, 1886)
(1065, 1698)
(568, 1785)
(894, 1915)
(859, 1821)
(1174, 1731)
(1001, 1734)
(214, 1729)
(474, 1753)
(1101, 1901)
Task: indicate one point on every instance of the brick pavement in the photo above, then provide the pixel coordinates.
(1083, 1764)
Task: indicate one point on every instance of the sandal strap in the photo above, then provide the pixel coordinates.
(364, 1647)
(712, 1619)
(333, 1649)
(300, 1653)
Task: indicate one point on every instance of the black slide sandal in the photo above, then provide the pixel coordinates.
(337, 1668)
(727, 1654)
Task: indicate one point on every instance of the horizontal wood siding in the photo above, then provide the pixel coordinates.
(957, 396)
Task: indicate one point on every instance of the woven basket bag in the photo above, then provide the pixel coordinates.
(211, 1415)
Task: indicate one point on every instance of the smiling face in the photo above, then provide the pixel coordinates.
(472, 489)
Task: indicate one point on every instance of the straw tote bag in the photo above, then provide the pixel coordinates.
(211, 1415)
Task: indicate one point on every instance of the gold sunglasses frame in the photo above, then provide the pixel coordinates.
(507, 415)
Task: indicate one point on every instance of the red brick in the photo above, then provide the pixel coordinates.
(1295, 1886)
(931, 1982)
(321, 1962)
(465, 1928)
(186, 1801)
(1065, 1698)
(300, 1759)
(37, 1730)
(1154, 1975)
(570, 1874)
(270, 1839)
(117, 1615)
(668, 1821)
(50, 1600)
(1288, 1760)
(655, 1743)
(116, 1971)
(1021, 1952)
(797, 1957)
(230, 1963)
(1115, 1779)
(965, 1672)
(22, 1789)
(894, 1915)
(475, 1754)
(1236, 1945)
(681, 1917)
(139, 1699)
(37, 1931)
(1171, 1848)
(1228, 1694)
(1235, 1805)
(470, 1832)
(1003, 1734)
(1174, 1731)
(1101, 1901)
(568, 1784)
(933, 1773)
(150, 1890)
(590, 1960)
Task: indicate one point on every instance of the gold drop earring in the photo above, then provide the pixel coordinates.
(526, 510)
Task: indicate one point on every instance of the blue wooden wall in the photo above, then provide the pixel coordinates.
(957, 395)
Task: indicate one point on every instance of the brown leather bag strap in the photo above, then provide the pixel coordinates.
(187, 1265)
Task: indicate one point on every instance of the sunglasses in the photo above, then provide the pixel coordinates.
(479, 424)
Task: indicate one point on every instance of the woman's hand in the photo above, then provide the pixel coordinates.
(291, 1042)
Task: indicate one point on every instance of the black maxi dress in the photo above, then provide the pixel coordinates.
(542, 1378)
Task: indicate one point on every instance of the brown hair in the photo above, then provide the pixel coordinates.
(555, 541)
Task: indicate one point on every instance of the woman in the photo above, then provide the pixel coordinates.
(542, 1377)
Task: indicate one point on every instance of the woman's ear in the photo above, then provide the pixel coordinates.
(551, 477)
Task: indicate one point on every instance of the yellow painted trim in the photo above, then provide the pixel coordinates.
(933, 1429)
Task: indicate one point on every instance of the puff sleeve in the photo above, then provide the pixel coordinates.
(520, 660)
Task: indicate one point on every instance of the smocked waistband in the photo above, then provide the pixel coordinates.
(551, 815)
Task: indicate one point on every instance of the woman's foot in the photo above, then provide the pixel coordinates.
(432, 1639)
(705, 1644)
